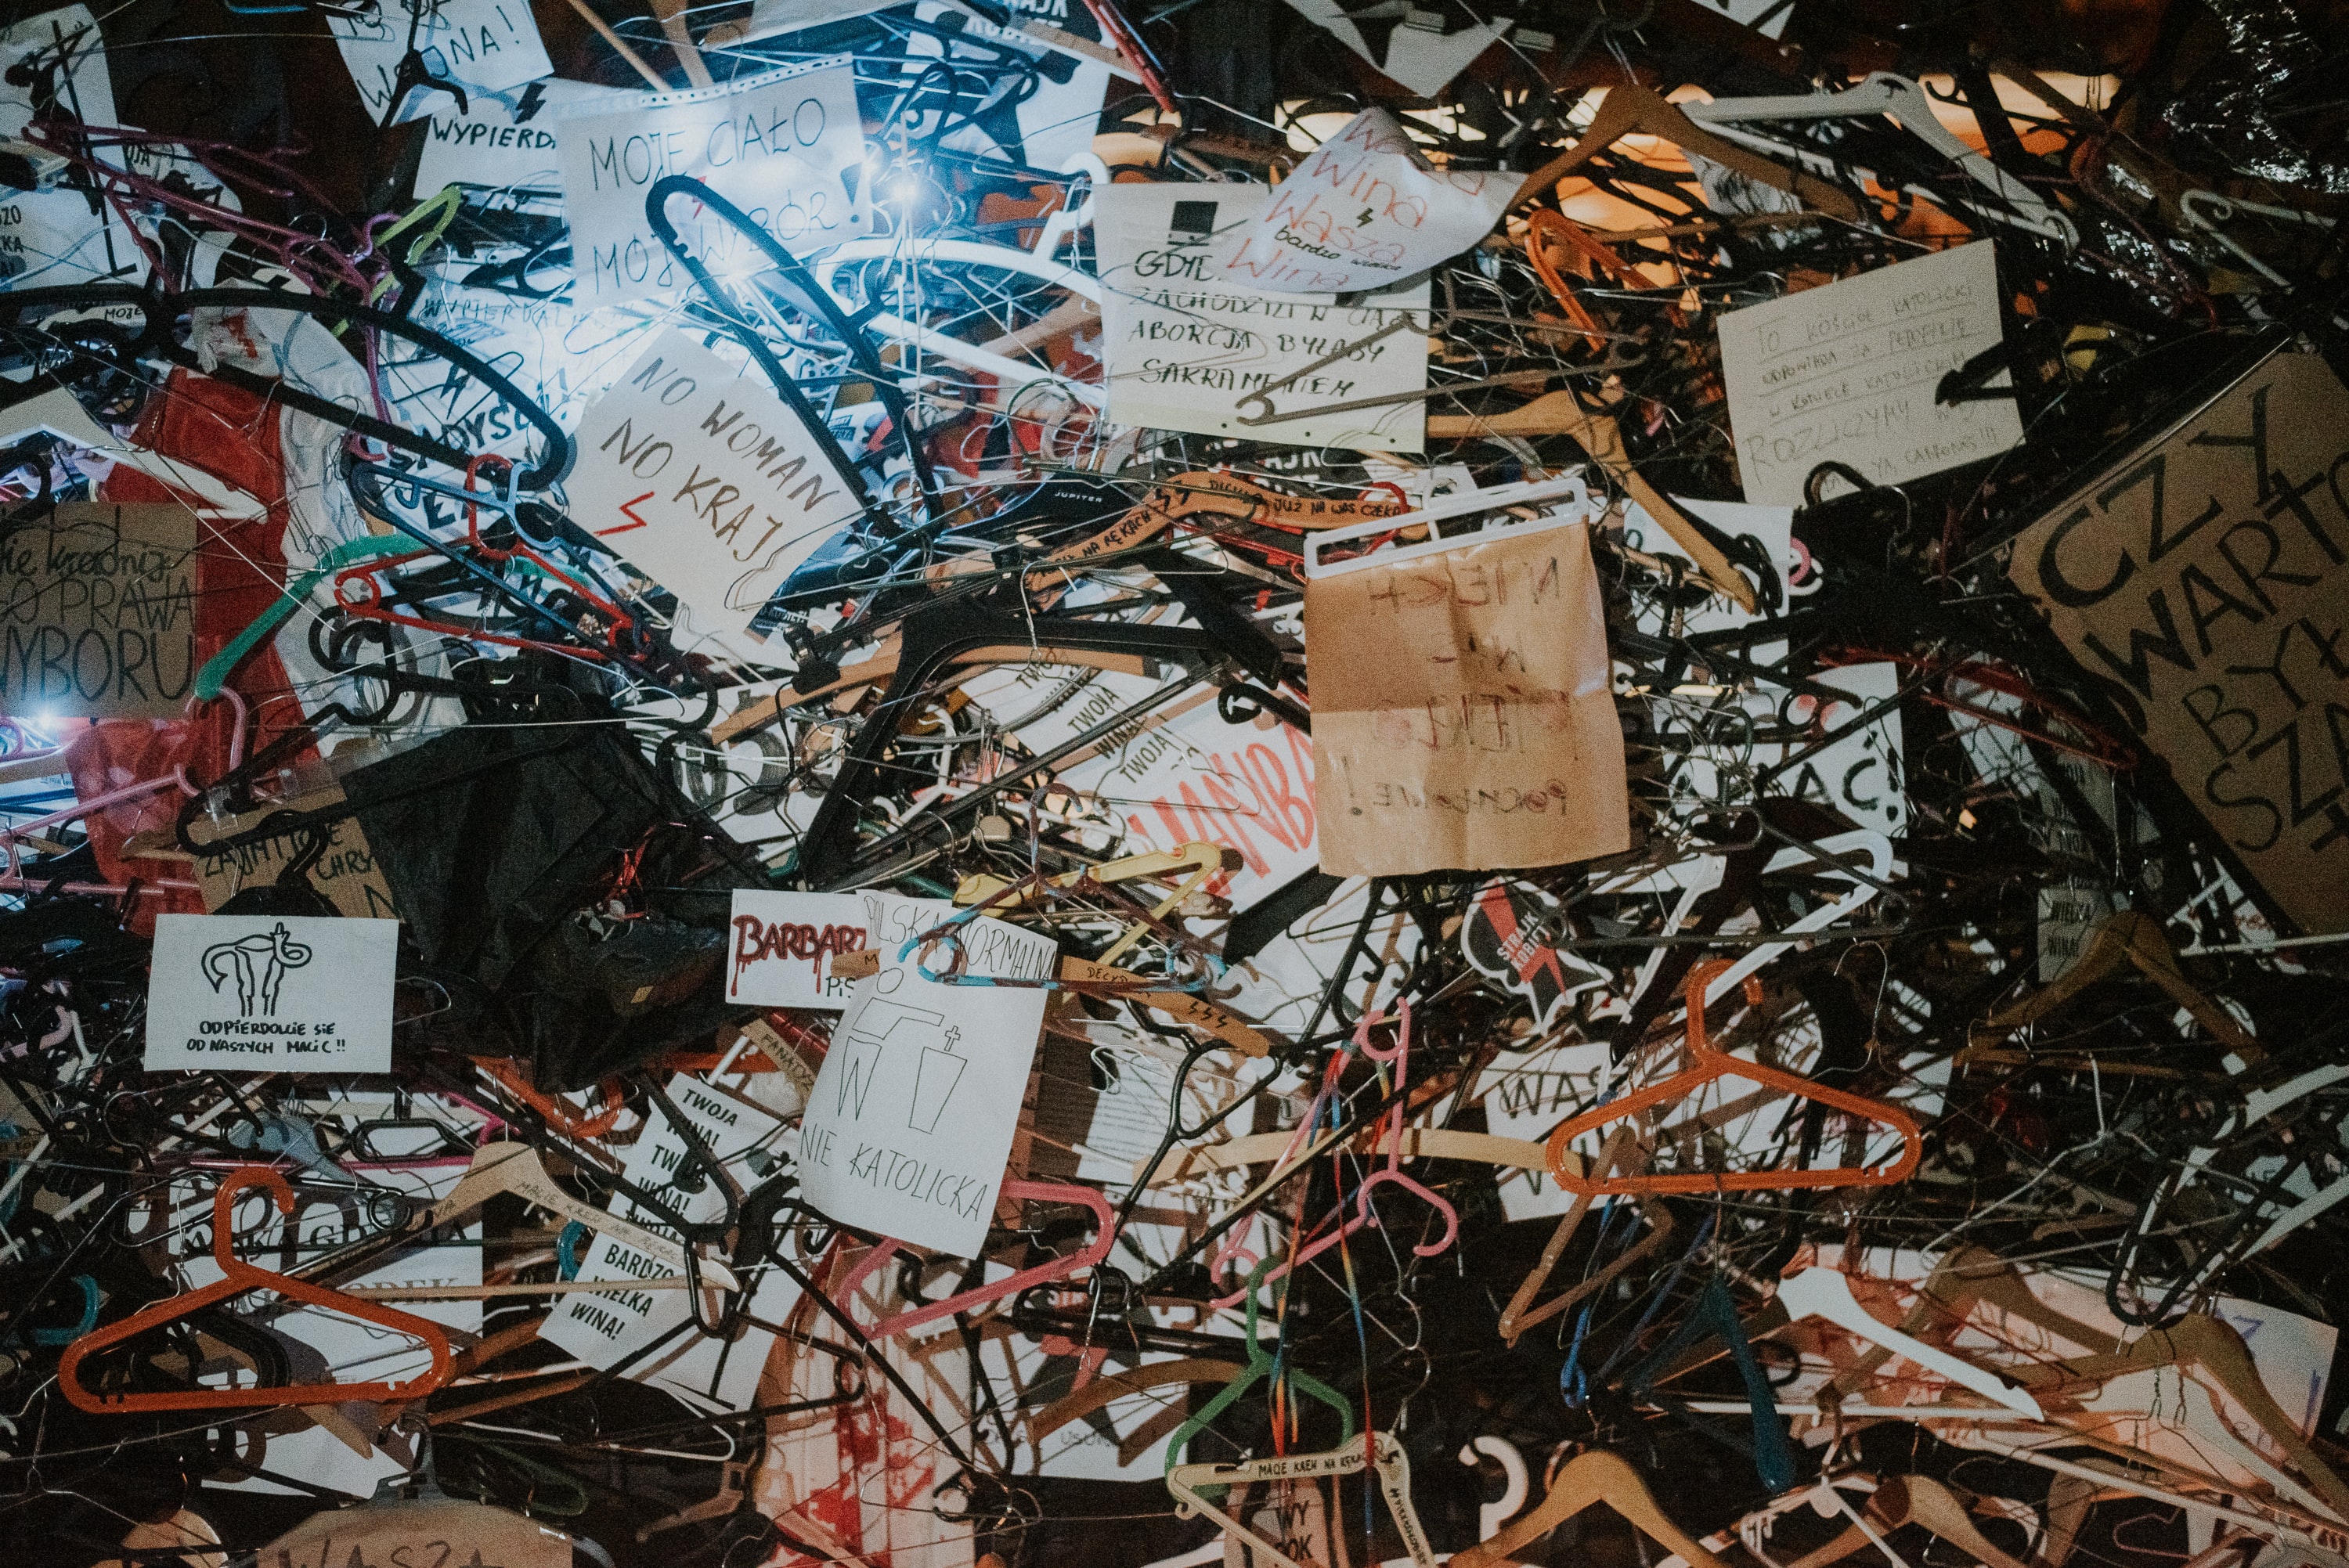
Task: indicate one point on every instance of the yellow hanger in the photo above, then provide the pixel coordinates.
(1591, 1478)
(1911, 1499)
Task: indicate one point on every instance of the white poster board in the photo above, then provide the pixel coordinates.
(277, 992)
(484, 46)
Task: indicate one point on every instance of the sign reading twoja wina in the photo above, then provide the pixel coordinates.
(2205, 580)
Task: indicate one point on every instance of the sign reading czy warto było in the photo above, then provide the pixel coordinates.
(2207, 576)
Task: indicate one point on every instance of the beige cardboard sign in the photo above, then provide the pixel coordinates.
(98, 614)
(1461, 714)
(346, 873)
(2205, 579)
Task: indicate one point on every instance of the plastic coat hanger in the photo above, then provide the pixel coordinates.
(1966, 1276)
(1885, 94)
(1261, 1366)
(1826, 1293)
(1902, 1501)
(1587, 1479)
(238, 1277)
(1394, 1484)
(1059, 1268)
(1714, 1314)
(1708, 1066)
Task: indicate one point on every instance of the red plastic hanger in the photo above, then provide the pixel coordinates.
(240, 1276)
(1709, 1064)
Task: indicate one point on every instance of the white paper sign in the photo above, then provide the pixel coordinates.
(785, 148)
(1185, 347)
(47, 238)
(604, 1328)
(504, 143)
(781, 950)
(1046, 128)
(483, 46)
(1417, 51)
(1365, 211)
(693, 470)
(282, 992)
(1845, 373)
(916, 1102)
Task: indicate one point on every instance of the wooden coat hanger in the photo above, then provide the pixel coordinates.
(1965, 1277)
(1909, 1499)
(2125, 940)
(238, 1276)
(1587, 1479)
(1629, 109)
(1708, 1067)
(1621, 1152)
(1386, 1454)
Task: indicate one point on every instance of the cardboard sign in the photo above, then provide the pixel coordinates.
(1365, 211)
(271, 993)
(693, 470)
(457, 1531)
(100, 615)
(2201, 579)
(483, 46)
(1846, 374)
(1184, 346)
(786, 148)
(52, 237)
(781, 943)
(346, 873)
(916, 1102)
(1461, 714)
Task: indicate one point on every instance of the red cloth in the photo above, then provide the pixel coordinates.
(239, 571)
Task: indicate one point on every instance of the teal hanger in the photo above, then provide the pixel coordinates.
(1259, 1366)
(218, 668)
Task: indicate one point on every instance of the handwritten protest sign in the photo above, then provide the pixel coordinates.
(483, 46)
(2204, 580)
(346, 873)
(282, 992)
(1365, 211)
(1186, 345)
(786, 148)
(457, 1531)
(916, 1102)
(50, 237)
(1845, 373)
(694, 471)
(1461, 713)
(100, 614)
(504, 143)
(781, 947)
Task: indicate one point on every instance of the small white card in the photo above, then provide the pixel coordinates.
(696, 472)
(1845, 373)
(780, 950)
(249, 993)
(916, 1105)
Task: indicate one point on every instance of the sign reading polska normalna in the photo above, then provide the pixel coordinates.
(280, 993)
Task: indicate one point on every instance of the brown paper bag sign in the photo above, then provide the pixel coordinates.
(1462, 718)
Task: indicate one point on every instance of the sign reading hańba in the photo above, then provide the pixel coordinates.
(98, 614)
(2206, 576)
(786, 148)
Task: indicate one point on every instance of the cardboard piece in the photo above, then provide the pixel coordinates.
(1845, 373)
(1461, 714)
(271, 993)
(1184, 346)
(97, 617)
(693, 470)
(785, 148)
(483, 46)
(346, 873)
(430, 1530)
(1366, 210)
(917, 1100)
(780, 951)
(2201, 579)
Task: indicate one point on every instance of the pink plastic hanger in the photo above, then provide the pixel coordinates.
(1104, 1238)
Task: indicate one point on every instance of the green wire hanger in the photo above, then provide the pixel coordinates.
(1260, 1364)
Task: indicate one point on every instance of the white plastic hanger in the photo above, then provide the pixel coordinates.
(516, 1167)
(1567, 495)
(1821, 1292)
(1905, 103)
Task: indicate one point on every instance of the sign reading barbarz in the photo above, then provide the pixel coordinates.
(2205, 575)
(280, 993)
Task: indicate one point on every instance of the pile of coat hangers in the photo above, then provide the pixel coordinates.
(1926, 1143)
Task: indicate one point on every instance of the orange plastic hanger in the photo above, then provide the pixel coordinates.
(1711, 1064)
(240, 1276)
